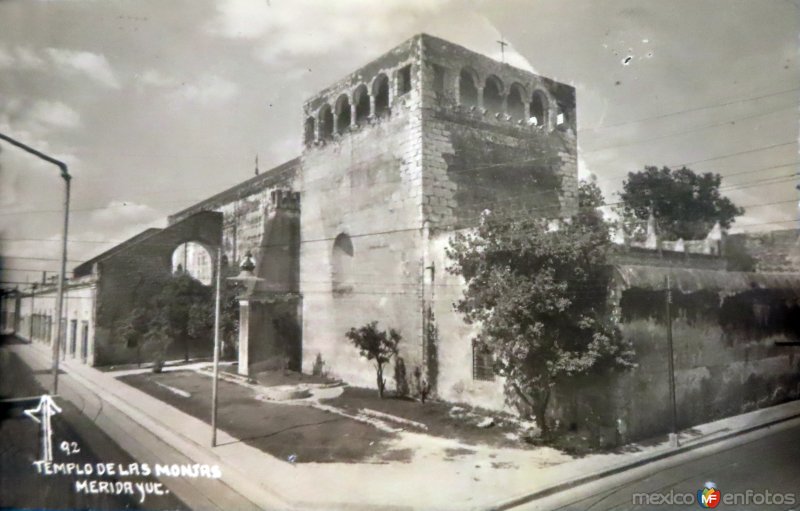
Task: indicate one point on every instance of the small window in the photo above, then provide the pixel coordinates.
(438, 79)
(342, 265)
(308, 135)
(493, 95)
(467, 90)
(380, 89)
(342, 114)
(482, 362)
(404, 80)
(514, 104)
(560, 119)
(361, 99)
(326, 123)
(538, 110)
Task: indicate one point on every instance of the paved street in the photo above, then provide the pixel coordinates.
(762, 461)
(21, 486)
(81, 421)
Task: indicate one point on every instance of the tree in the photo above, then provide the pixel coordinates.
(377, 345)
(176, 310)
(684, 204)
(133, 329)
(539, 297)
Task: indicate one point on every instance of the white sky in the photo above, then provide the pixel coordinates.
(157, 104)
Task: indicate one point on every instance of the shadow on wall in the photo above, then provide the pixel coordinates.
(726, 363)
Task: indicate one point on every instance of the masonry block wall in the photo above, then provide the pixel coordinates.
(361, 220)
(497, 139)
(726, 360)
(728, 356)
(767, 251)
(125, 275)
(398, 154)
(245, 210)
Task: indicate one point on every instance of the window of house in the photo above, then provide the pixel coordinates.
(482, 362)
(73, 336)
(404, 80)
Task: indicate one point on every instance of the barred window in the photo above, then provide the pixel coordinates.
(482, 362)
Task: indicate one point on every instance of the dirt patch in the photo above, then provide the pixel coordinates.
(458, 452)
(289, 432)
(442, 419)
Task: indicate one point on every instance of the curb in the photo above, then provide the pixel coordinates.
(546, 492)
(257, 493)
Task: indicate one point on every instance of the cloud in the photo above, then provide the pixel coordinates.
(55, 114)
(93, 65)
(155, 78)
(117, 214)
(20, 57)
(208, 90)
(353, 29)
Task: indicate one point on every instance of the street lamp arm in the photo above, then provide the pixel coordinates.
(62, 276)
(60, 164)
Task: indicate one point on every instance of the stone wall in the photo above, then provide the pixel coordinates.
(124, 276)
(245, 209)
(767, 251)
(479, 157)
(456, 381)
(726, 362)
(361, 223)
(391, 185)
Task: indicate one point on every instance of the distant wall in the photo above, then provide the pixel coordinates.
(726, 362)
(767, 251)
(128, 274)
(36, 319)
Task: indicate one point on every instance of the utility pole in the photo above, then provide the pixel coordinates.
(673, 437)
(33, 312)
(215, 382)
(60, 301)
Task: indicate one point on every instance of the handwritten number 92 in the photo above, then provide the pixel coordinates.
(69, 448)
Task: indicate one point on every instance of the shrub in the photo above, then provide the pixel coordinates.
(377, 345)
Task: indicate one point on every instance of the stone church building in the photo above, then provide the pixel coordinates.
(397, 157)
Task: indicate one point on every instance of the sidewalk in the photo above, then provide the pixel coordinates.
(470, 481)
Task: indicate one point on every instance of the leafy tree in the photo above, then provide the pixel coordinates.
(538, 296)
(685, 204)
(377, 345)
(175, 310)
(133, 329)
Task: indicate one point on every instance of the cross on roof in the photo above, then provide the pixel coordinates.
(503, 45)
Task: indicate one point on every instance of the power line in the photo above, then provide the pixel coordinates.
(748, 151)
(687, 131)
(687, 110)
